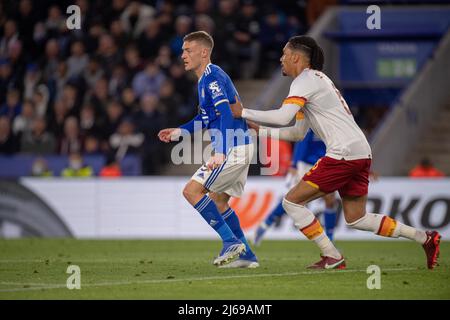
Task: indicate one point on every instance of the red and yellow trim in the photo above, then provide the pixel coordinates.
(312, 184)
(387, 227)
(312, 230)
(300, 101)
(299, 115)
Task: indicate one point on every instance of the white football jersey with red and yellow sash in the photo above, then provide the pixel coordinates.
(328, 115)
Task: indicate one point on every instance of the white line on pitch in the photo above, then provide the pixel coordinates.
(121, 283)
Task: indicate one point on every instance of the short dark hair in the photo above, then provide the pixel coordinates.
(310, 48)
(200, 36)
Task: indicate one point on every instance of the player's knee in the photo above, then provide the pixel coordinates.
(288, 197)
(351, 220)
(188, 193)
(287, 203)
(293, 199)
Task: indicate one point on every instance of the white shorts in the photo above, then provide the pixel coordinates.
(231, 176)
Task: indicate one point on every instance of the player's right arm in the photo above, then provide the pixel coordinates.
(300, 91)
(172, 134)
(294, 133)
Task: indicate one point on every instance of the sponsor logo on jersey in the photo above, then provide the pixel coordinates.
(215, 89)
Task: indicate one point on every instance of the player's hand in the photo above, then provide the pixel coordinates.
(253, 125)
(167, 135)
(236, 108)
(215, 161)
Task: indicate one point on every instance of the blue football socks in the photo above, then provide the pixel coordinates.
(208, 210)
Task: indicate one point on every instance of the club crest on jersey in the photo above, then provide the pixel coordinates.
(215, 89)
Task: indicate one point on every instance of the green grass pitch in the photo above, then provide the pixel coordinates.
(174, 269)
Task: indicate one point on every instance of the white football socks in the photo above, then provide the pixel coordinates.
(388, 227)
(307, 223)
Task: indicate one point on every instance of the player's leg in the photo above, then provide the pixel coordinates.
(247, 259)
(330, 214)
(276, 213)
(356, 217)
(294, 204)
(230, 178)
(196, 194)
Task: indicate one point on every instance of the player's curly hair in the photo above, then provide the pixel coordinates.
(310, 48)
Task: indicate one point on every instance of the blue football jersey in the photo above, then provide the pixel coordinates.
(309, 150)
(215, 88)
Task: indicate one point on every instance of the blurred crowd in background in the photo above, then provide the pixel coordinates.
(109, 87)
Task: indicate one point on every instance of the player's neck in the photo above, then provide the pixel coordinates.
(299, 70)
(199, 71)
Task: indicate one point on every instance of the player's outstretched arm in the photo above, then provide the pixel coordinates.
(293, 133)
(280, 116)
(169, 134)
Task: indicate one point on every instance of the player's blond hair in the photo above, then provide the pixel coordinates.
(202, 37)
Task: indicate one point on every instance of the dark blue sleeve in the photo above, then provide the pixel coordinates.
(226, 122)
(189, 126)
(217, 90)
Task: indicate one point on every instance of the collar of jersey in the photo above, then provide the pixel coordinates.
(204, 72)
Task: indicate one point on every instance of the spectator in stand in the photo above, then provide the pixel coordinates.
(128, 100)
(78, 59)
(10, 35)
(12, 108)
(273, 36)
(39, 140)
(49, 63)
(23, 122)
(150, 121)
(77, 168)
(150, 40)
(120, 36)
(108, 53)
(149, 80)
(425, 169)
(111, 169)
(93, 72)
(171, 105)
(7, 79)
(136, 16)
(183, 26)
(225, 54)
(100, 97)
(92, 146)
(118, 81)
(115, 114)
(40, 100)
(57, 118)
(8, 144)
(246, 41)
(89, 123)
(71, 141)
(133, 62)
(31, 80)
(40, 168)
(126, 140)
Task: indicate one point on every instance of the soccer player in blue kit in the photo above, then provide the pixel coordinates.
(224, 175)
(306, 154)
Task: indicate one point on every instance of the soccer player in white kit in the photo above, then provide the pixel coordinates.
(316, 103)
